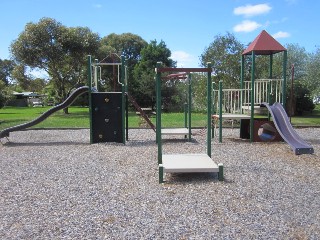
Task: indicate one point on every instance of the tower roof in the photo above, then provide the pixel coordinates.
(264, 44)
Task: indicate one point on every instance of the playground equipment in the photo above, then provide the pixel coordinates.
(244, 102)
(254, 94)
(282, 123)
(75, 94)
(106, 109)
(169, 163)
(186, 131)
(109, 110)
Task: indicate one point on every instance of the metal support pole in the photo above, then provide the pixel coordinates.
(269, 98)
(158, 110)
(284, 86)
(189, 106)
(270, 66)
(185, 116)
(291, 111)
(214, 110)
(252, 96)
(89, 70)
(220, 111)
(209, 106)
(95, 80)
(126, 97)
(161, 173)
(220, 174)
(123, 98)
(242, 82)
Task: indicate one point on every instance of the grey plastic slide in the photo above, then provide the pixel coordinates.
(284, 127)
(76, 93)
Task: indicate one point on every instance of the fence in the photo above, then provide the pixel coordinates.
(234, 101)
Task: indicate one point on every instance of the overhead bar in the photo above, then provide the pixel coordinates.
(186, 70)
(106, 64)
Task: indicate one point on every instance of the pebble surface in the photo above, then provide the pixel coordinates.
(55, 185)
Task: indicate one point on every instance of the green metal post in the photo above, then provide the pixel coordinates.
(189, 106)
(214, 110)
(185, 116)
(284, 86)
(220, 174)
(241, 82)
(123, 99)
(269, 98)
(96, 75)
(269, 84)
(220, 111)
(127, 103)
(158, 110)
(270, 66)
(89, 70)
(161, 173)
(209, 106)
(252, 96)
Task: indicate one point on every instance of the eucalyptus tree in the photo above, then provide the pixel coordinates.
(58, 50)
(127, 44)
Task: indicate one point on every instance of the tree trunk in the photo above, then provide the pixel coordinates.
(66, 110)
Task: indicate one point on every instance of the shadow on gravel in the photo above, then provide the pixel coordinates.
(194, 178)
(181, 140)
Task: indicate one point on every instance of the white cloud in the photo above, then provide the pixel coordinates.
(281, 34)
(246, 26)
(252, 10)
(183, 59)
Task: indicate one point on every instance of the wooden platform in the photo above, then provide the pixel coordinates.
(188, 163)
(175, 131)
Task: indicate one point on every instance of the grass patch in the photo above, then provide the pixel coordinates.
(78, 117)
(308, 119)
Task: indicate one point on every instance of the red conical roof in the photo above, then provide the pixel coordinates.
(264, 44)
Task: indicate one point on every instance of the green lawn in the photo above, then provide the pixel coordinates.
(311, 119)
(78, 117)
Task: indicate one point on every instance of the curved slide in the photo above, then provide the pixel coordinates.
(285, 129)
(76, 93)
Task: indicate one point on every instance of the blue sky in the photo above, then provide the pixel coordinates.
(187, 27)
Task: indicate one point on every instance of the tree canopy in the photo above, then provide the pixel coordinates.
(143, 87)
(61, 52)
(224, 53)
(58, 50)
(127, 44)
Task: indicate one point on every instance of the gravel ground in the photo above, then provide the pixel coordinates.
(55, 185)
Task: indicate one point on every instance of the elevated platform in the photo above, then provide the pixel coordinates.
(175, 131)
(257, 109)
(188, 163)
(231, 116)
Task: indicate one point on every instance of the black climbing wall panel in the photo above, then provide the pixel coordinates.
(107, 117)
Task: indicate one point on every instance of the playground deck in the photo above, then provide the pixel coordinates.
(175, 131)
(188, 163)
